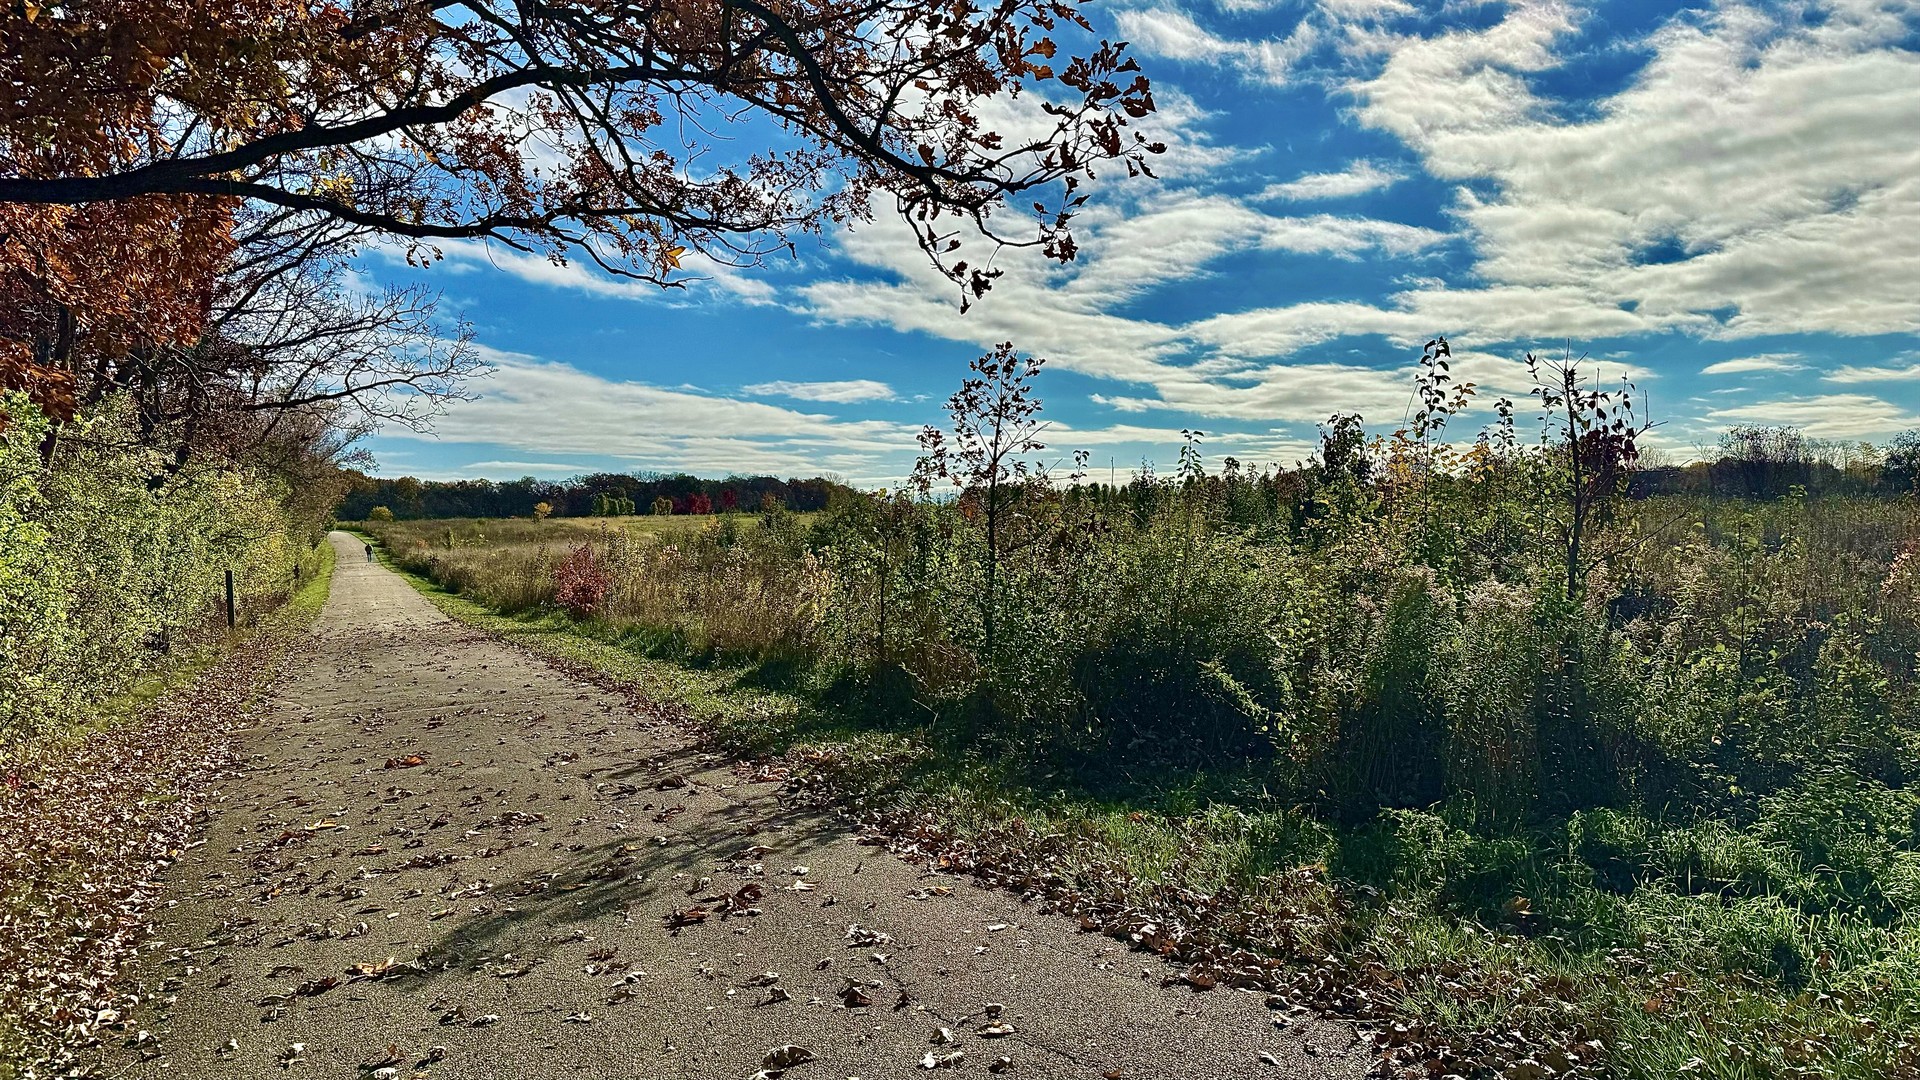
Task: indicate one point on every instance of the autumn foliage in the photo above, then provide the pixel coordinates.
(580, 582)
(160, 163)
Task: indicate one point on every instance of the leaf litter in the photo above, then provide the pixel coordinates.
(87, 829)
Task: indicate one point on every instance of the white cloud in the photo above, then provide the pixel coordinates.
(1753, 146)
(1761, 362)
(489, 470)
(1749, 180)
(550, 408)
(1357, 179)
(1823, 416)
(702, 274)
(839, 392)
(1068, 313)
(1888, 373)
(1174, 35)
(1743, 184)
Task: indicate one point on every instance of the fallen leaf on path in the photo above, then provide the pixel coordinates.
(375, 971)
(1194, 977)
(860, 938)
(995, 1031)
(786, 1057)
(692, 916)
(740, 902)
(407, 762)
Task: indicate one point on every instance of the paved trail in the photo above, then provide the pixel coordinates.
(538, 850)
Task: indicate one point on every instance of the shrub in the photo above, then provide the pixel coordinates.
(103, 570)
(379, 513)
(580, 582)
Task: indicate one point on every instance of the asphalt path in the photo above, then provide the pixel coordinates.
(446, 857)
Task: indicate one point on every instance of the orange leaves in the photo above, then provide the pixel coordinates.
(684, 917)
(78, 283)
(49, 389)
(122, 98)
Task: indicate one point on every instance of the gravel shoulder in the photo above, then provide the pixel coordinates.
(437, 840)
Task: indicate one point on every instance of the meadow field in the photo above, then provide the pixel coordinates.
(1652, 817)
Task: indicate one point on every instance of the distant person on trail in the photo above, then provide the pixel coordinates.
(369, 552)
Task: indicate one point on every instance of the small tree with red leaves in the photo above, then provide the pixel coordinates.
(581, 582)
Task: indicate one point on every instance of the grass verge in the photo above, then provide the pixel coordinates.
(1412, 923)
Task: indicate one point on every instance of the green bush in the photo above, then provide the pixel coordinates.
(1676, 812)
(104, 569)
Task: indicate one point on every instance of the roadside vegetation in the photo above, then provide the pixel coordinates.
(189, 347)
(112, 566)
(111, 754)
(1539, 759)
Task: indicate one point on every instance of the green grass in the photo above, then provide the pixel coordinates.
(1690, 963)
(716, 696)
(183, 666)
(316, 583)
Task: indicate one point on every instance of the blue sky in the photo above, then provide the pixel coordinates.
(1720, 200)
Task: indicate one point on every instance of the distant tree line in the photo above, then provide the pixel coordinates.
(1749, 462)
(1769, 462)
(598, 494)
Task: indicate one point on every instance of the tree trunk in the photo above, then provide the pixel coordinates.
(992, 602)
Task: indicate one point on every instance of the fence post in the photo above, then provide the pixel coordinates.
(229, 599)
